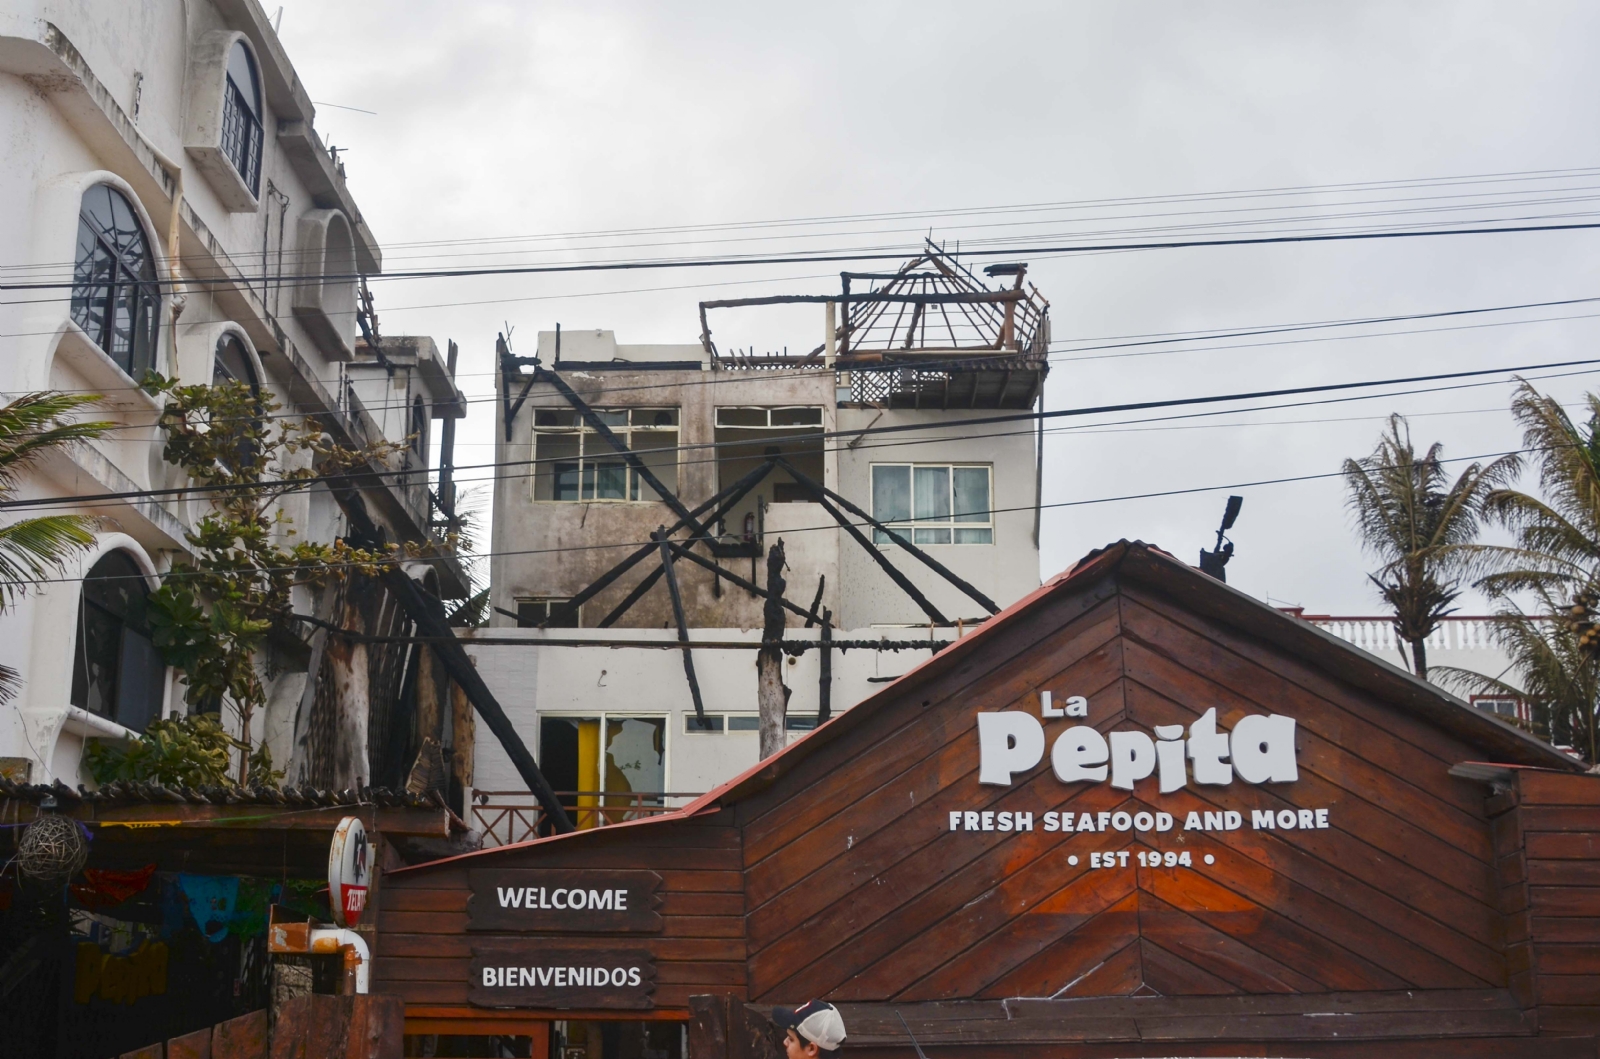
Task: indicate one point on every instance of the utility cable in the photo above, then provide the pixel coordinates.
(568, 549)
(800, 259)
(897, 428)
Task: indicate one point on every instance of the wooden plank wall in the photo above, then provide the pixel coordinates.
(424, 949)
(1547, 836)
(858, 892)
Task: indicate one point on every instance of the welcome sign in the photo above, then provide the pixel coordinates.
(524, 973)
(564, 900)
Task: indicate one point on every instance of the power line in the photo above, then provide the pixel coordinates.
(717, 378)
(1468, 180)
(731, 260)
(568, 549)
(897, 428)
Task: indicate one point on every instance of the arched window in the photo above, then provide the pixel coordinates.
(116, 671)
(232, 364)
(241, 117)
(419, 426)
(114, 293)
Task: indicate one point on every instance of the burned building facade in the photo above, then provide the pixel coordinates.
(606, 447)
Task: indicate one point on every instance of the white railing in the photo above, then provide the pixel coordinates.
(1377, 634)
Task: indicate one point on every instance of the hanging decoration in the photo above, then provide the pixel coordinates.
(52, 849)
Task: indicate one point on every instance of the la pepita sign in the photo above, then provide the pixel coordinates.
(1260, 749)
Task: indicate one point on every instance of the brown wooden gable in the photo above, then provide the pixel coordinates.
(831, 870)
(858, 890)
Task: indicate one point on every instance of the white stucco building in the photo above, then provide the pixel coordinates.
(879, 414)
(167, 192)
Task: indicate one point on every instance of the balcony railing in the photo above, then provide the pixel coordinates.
(505, 817)
(1376, 634)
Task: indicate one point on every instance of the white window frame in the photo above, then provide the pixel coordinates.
(1518, 705)
(550, 602)
(911, 528)
(753, 720)
(587, 436)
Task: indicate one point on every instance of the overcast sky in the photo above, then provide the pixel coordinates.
(527, 119)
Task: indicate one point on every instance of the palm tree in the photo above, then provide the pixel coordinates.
(1557, 547)
(33, 548)
(1422, 526)
(1556, 557)
(1556, 669)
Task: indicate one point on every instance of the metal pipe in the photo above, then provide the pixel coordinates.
(326, 941)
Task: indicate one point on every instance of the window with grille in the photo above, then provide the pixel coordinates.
(573, 462)
(933, 503)
(115, 296)
(535, 611)
(241, 117)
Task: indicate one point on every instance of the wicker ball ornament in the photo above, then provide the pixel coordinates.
(51, 849)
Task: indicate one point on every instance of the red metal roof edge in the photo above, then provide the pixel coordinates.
(1092, 565)
(712, 799)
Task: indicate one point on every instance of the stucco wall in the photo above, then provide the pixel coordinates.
(1006, 571)
(91, 93)
(530, 680)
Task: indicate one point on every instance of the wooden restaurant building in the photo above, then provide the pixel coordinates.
(1136, 814)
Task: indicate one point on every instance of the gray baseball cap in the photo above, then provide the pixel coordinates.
(818, 1022)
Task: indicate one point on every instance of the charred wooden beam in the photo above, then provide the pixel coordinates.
(718, 504)
(646, 583)
(819, 495)
(629, 457)
(818, 489)
(429, 616)
(815, 615)
(825, 670)
(870, 296)
(683, 626)
(749, 586)
(507, 362)
(772, 698)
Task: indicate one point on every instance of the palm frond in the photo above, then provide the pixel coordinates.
(35, 548)
(37, 422)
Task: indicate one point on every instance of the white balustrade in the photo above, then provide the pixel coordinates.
(1378, 636)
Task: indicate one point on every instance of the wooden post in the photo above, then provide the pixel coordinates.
(770, 697)
(683, 626)
(825, 668)
(463, 733)
(830, 340)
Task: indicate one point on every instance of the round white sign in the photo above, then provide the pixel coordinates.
(349, 871)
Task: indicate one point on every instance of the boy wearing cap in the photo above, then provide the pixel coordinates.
(811, 1031)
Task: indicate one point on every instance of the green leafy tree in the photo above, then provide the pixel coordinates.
(212, 615)
(1422, 526)
(35, 548)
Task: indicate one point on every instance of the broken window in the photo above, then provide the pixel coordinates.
(573, 462)
(936, 503)
(744, 436)
(604, 768)
(533, 611)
